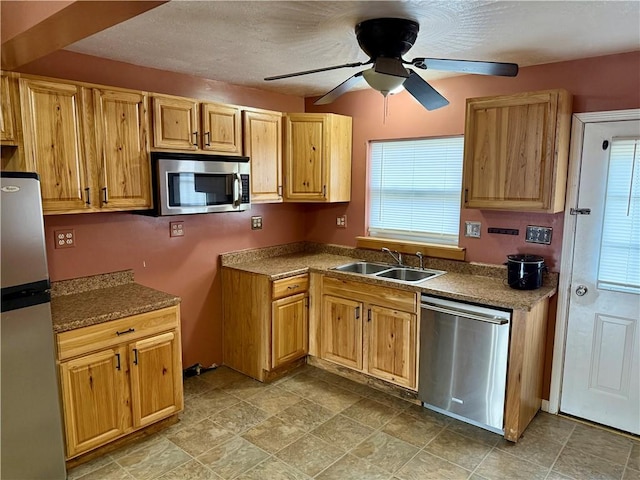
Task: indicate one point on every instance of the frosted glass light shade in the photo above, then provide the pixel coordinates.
(385, 84)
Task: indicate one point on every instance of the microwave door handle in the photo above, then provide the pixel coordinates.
(238, 199)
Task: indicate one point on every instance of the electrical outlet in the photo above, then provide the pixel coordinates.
(538, 234)
(256, 223)
(341, 221)
(176, 229)
(64, 238)
(472, 229)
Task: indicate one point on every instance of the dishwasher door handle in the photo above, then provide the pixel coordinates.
(466, 314)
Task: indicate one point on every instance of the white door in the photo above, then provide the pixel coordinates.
(601, 379)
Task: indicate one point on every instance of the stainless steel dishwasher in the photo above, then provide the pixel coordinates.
(463, 361)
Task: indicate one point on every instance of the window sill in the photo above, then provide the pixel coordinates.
(427, 249)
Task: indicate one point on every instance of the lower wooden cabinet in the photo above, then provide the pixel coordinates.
(289, 329)
(265, 322)
(371, 329)
(119, 376)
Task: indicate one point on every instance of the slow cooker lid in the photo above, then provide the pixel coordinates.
(525, 258)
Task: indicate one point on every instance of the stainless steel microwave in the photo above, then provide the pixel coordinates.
(190, 183)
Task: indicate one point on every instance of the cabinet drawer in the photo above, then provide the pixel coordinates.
(389, 297)
(289, 286)
(97, 337)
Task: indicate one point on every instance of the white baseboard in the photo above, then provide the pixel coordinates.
(545, 406)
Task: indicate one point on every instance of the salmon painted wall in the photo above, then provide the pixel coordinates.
(185, 266)
(597, 84)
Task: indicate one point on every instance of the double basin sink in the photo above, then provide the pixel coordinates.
(390, 272)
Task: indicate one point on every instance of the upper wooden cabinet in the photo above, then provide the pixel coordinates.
(53, 142)
(318, 158)
(516, 151)
(183, 124)
(263, 145)
(7, 121)
(89, 146)
(123, 149)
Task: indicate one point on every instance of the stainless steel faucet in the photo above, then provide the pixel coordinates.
(419, 255)
(397, 256)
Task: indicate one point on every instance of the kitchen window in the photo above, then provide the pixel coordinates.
(414, 189)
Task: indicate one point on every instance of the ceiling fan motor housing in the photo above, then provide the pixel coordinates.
(386, 37)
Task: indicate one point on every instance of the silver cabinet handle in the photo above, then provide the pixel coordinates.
(207, 136)
(118, 360)
(238, 200)
(195, 137)
(135, 356)
(357, 313)
(293, 287)
(460, 313)
(581, 290)
(105, 198)
(88, 192)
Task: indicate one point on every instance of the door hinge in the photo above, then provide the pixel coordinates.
(580, 211)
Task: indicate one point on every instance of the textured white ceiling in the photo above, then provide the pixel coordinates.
(241, 42)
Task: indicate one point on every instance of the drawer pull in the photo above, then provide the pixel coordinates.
(293, 287)
(135, 356)
(118, 359)
(124, 332)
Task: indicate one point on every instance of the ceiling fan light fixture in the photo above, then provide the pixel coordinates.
(383, 83)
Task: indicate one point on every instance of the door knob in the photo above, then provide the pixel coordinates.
(581, 290)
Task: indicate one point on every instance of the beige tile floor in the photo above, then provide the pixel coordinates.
(313, 424)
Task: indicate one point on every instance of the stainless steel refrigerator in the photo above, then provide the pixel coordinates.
(32, 445)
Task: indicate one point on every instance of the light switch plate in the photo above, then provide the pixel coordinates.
(472, 229)
(538, 234)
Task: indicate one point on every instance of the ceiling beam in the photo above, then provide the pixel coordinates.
(78, 20)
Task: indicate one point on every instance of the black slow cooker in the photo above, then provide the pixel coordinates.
(524, 271)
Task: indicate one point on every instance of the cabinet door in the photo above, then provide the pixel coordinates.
(221, 129)
(156, 378)
(510, 152)
(341, 330)
(7, 130)
(175, 123)
(305, 158)
(289, 329)
(391, 345)
(263, 144)
(95, 399)
(121, 131)
(52, 142)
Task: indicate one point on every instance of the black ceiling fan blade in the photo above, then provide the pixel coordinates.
(317, 70)
(390, 66)
(424, 93)
(467, 66)
(344, 87)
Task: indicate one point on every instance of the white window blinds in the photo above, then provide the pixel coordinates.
(620, 249)
(414, 189)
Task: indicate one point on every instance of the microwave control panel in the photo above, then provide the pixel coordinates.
(245, 188)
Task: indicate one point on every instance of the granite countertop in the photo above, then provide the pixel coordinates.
(484, 284)
(284, 266)
(92, 300)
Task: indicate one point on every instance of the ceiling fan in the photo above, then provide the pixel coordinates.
(385, 40)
